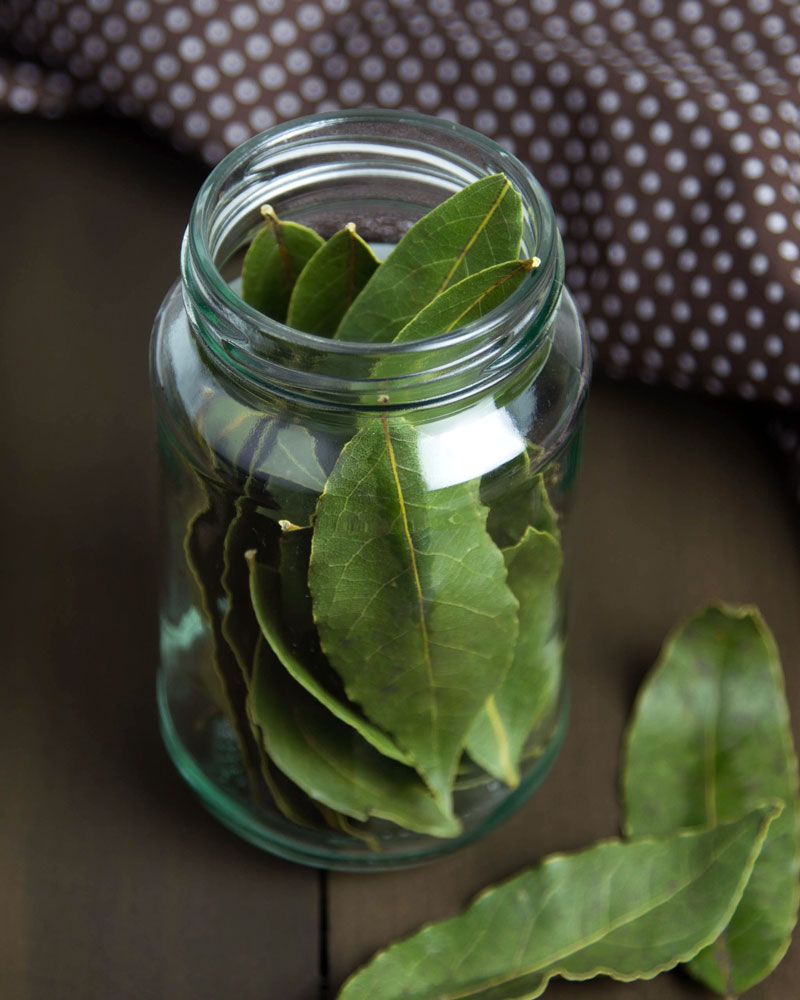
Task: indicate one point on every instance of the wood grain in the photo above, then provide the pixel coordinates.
(116, 883)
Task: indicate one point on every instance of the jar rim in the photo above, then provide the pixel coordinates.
(239, 330)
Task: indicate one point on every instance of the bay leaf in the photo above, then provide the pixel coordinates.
(623, 909)
(529, 691)
(329, 283)
(204, 548)
(517, 499)
(461, 303)
(475, 228)
(294, 555)
(286, 472)
(273, 263)
(230, 432)
(247, 530)
(266, 598)
(330, 761)
(410, 598)
(709, 738)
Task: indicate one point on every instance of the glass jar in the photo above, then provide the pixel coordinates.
(362, 618)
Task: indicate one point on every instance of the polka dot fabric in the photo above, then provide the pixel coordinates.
(666, 133)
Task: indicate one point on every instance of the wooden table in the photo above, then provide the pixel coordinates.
(116, 885)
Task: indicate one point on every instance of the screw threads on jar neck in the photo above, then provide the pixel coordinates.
(383, 171)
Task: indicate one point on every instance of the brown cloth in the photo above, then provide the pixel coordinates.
(665, 133)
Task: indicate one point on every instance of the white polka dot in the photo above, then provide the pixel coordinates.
(665, 283)
(287, 104)
(620, 354)
(675, 160)
(235, 133)
(181, 96)
(661, 133)
(218, 32)
(687, 111)
(262, 118)
(390, 94)
(782, 395)
(244, 16)
(232, 63)
(722, 262)
(221, 106)
(699, 339)
(789, 250)
(792, 374)
(166, 66)
(351, 91)
(681, 311)
(721, 366)
(196, 124)
(736, 342)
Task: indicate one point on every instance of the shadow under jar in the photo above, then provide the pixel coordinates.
(362, 591)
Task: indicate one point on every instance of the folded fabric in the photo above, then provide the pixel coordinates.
(667, 137)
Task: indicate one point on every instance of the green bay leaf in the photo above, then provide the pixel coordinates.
(462, 303)
(329, 760)
(410, 597)
(624, 909)
(529, 691)
(286, 472)
(230, 432)
(204, 549)
(304, 660)
(330, 282)
(709, 739)
(517, 499)
(476, 228)
(273, 263)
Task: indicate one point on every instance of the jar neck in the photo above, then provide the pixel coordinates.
(383, 171)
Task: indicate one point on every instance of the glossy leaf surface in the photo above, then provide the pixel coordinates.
(529, 690)
(460, 304)
(330, 761)
(306, 664)
(709, 739)
(410, 598)
(329, 283)
(476, 228)
(627, 910)
(273, 263)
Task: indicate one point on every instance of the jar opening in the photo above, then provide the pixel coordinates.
(382, 170)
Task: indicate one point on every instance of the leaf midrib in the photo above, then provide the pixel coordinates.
(544, 964)
(471, 242)
(434, 708)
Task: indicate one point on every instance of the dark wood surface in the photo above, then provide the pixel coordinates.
(115, 883)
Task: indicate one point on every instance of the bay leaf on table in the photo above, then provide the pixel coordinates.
(623, 909)
(329, 283)
(267, 602)
(329, 760)
(529, 691)
(273, 263)
(709, 739)
(475, 228)
(410, 597)
(461, 303)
